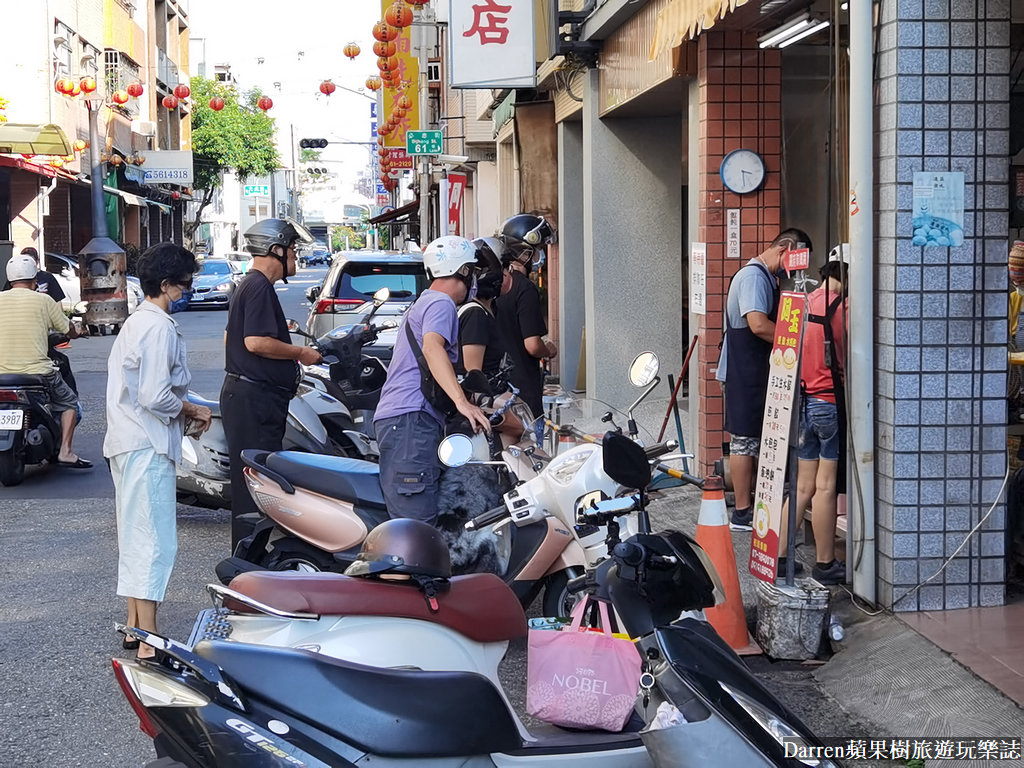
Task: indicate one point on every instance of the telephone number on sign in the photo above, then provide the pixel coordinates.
(162, 175)
(11, 419)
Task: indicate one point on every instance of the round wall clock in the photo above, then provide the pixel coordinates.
(742, 171)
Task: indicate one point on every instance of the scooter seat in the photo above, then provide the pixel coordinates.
(479, 606)
(213, 405)
(334, 476)
(22, 380)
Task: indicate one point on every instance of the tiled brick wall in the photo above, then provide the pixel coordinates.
(740, 107)
(943, 105)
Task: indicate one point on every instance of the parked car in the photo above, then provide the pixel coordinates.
(214, 283)
(240, 259)
(318, 255)
(342, 298)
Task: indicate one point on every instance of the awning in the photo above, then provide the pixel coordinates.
(683, 20)
(162, 206)
(31, 139)
(404, 210)
(131, 199)
(25, 165)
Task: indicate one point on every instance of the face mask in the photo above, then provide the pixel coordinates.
(181, 304)
(471, 289)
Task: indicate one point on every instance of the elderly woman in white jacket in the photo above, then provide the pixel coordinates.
(147, 409)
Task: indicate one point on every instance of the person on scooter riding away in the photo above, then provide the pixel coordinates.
(421, 389)
(28, 318)
(261, 363)
(480, 344)
(519, 311)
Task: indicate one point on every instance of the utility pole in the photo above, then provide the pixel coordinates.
(424, 160)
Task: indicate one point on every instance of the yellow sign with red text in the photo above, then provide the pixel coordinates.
(406, 118)
(783, 380)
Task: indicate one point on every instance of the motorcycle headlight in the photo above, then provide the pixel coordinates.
(564, 470)
(777, 728)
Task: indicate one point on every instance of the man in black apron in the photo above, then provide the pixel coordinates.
(751, 308)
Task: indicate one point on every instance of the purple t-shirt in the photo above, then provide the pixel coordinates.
(433, 311)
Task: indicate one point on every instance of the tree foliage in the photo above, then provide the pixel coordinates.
(239, 138)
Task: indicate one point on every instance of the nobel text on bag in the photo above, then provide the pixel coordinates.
(582, 679)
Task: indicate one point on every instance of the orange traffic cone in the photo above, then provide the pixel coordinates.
(713, 536)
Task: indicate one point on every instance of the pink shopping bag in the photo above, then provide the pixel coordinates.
(582, 679)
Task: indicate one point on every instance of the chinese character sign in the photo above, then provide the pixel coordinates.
(456, 190)
(938, 209)
(699, 278)
(783, 381)
(409, 75)
(492, 44)
(732, 233)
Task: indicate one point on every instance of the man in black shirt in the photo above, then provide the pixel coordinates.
(520, 316)
(261, 363)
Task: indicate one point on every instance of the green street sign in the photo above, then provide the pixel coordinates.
(423, 142)
(256, 190)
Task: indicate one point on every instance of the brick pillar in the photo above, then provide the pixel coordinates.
(740, 107)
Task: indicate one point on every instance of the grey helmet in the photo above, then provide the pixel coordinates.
(265, 234)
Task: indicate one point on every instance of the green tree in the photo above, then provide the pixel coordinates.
(239, 138)
(356, 239)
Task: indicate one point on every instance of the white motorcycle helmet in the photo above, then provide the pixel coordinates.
(447, 255)
(21, 267)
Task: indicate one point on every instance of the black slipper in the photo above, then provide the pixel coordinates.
(78, 463)
(129, 645)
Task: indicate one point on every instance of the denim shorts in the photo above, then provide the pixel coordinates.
(819, 430)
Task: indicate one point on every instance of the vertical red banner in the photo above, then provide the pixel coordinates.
(456, 192)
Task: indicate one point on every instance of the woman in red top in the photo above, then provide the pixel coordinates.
(821, 435)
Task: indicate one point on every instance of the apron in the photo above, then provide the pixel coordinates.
(746, 380)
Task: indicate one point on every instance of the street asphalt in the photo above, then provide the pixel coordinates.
(59, 703)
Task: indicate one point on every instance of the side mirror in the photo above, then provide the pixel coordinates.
(312, 293)
(644, 369)
(381, 296)
(293, 326)
(455, 450)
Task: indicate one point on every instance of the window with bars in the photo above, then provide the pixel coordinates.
(119, 71)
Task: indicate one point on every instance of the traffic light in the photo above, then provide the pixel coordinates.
(316, 171)
(313, 143)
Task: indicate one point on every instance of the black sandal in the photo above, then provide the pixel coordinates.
(129, 644)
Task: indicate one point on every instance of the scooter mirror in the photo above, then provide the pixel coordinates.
(643, 369)
(293, 326)
(455, 450)
(382, 295)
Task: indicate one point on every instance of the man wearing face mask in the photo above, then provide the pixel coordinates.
(751, 308)
(421, 390)
(261, 363)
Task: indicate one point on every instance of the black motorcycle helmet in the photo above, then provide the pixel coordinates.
(525, 235)
(262, 236)
(403, 546)
(489, 262)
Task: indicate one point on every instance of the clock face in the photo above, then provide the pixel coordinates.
(742, 171)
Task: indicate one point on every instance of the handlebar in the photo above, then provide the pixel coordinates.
(660, 449)
(489, 517)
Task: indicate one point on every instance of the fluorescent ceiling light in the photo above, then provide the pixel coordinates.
(815, 27)
(781, 33)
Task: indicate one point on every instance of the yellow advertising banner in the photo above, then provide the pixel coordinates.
(408, 71)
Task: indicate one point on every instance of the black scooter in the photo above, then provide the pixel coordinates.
(227, 704)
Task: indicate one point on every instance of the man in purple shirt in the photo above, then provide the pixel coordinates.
(408, 427)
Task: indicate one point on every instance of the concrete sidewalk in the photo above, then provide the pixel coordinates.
(883, 680)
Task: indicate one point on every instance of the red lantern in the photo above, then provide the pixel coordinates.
(404, 102)
(216, 103)
(57, 163)
(176, 195)
(76, 89)
(389, 63)
(381, 130)
(401, 113)
(79, 145)
(384, 48)
(65, 85)
(373, 83)
(134, 90)
(385, 32)
(115, 160)
(265, 103)
(351, 50)
(139, 158)
(182, 91)
(417, 3)
(327, 87)
(398, 15)
(171, 102)
(88, 84)
(119, 97)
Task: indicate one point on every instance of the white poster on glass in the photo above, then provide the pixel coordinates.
(492, 44)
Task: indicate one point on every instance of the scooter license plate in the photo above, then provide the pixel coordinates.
(11, 419)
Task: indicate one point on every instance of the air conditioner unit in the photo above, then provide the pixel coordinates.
(144, 127)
